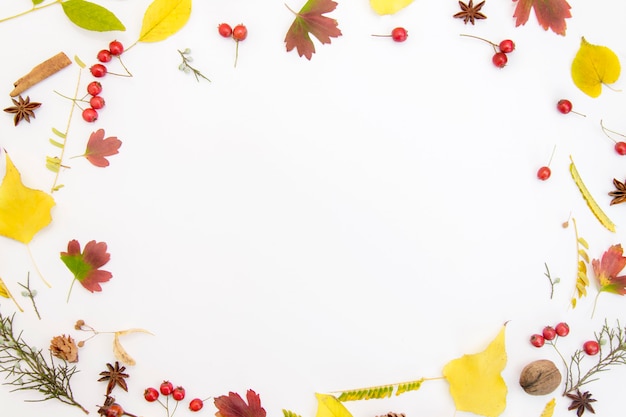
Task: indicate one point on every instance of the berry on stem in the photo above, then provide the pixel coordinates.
(225, 30)
(90, 115)
(565, 106)
(499, 59)
(506, 46)
(98, 70)
(196, 404)
(591, 347)
(398, 34)
(240, 32)
(545, 172)
(104, 55)
(114, 410)
(94, 88)
(96, 102)
(116, 48)
(562, 329)
(151, 394)
(537, 340)
(166, 388)
(620, 147)
(549, 333)
(178, 394)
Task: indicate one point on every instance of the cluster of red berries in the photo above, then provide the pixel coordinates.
(96, 102)
(500, 58)
(177, 393)
(398, 34)
(549, 333)
(237, 33)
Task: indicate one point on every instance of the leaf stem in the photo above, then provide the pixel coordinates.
(34, 9)
(482, 39)
(32, 258)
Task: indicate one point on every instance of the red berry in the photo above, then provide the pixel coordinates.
(96, 102)
(240, 32)
(151, 394)
(94, 88)
(507, 46)
(549, 333)
(544, 173)
(591, 347)
(225, 30)
(562, 329)
(537, 340)
(499, 59)
(399, 34)
(116, 48)
(178, 394)
(98, 70)
(90, 115)
(620, 148)
(564, 106)
(114, 410)
(196, 404)
(104, 55)
(166, 388)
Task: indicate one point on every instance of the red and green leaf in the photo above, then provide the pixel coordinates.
(551, 14)
(99, 147)
(607, 269)
(232, 405)
(310, 21)
(86, 265)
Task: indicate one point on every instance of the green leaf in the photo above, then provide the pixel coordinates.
(79, 61)
(91, 16)
(58, 133)
(288, 413)
(163, 18)
(57, 144)
(36, 2)
(53, 163)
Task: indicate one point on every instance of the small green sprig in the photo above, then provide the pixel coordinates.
(553, 282)
(185, 67)
(30, 293)
(26, 369)
(612, 343)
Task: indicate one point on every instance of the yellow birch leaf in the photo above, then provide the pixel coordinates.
(548, 411)
(476, 383)
(593, 66)
(4, 292)
(389, 6)
(329, 406)
(118, 350)
(163, 18)
(23, 211)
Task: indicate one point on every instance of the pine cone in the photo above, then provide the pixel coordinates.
(65, 348)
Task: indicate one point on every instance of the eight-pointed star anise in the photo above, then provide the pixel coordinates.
(469, 12)
(619, 195)
(581, 402)
(116, 376)
(23, 109)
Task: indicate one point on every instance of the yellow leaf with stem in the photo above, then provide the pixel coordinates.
(593, 66)
(4, 292)
(163, 18)
(548, 411)
(476, 383)
(595, 208)
(329, 406)
(389, 6)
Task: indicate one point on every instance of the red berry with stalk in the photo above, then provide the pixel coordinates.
(90, 115)
(178, 394)
(620, 147)
(96, 102)
(499, 58)
(94, 88)
(166, 388)
(98, 70)
(240, 33)
(549, 333)
(565, 106)
(507, 46)
(104, 55)
(151, 394)
(116, 48)
(591, 347)
(562, 329)
(545, 172)
(225, 30)
(537, 340)
(196, 404)
(398, 34)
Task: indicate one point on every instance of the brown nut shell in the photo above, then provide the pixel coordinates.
(540, 377)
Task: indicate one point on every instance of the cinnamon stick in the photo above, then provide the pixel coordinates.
(40, 73)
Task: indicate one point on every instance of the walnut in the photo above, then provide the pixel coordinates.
(64, 347)
(540, 377)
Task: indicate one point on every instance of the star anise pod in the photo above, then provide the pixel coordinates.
(619, 195)
(469, 12)
(581, 402)
(116, 376)
(23, 109)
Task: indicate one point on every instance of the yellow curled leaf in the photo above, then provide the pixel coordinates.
(476, 383)
(548, 411)
(23, 211)
(163, 18)
(4, 292)
(329, 406)
(118, 350)
(389, 6)
(593, 66)
(595, 208)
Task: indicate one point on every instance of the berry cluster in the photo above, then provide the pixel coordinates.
(168, 390)
(550, 334)
(96, 102)
(398, 34)
(237, 33)
(500, 58)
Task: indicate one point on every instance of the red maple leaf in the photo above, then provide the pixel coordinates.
(234, 406)
(607, 269)
(310, 21)
(551, 14)
(85, 266)
(98, 147)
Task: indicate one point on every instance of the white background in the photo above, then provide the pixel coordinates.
(296, 227)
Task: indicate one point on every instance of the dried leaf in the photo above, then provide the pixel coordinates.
(98, 148)
(551, 14)
(163, 18)
(476, 383)
(595, 208)
(593, 66)
(329, 406)
(233, 405)
(118, 350)
(548, 410)
(310, 20)
(23, 211)
(91, 16)
(383, 7)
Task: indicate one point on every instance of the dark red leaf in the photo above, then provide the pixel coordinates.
(551, 14)
(310, 21)
(98, 148)
(234, 406)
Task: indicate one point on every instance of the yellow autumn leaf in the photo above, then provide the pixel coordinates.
(548, 411)
(389, 6)
(23, 211)
(4, 292)
(476, 383)
(163, 18)
(593, 66)
(329, 406)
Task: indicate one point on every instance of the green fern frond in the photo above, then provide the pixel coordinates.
(379, 392)
(288, 413)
